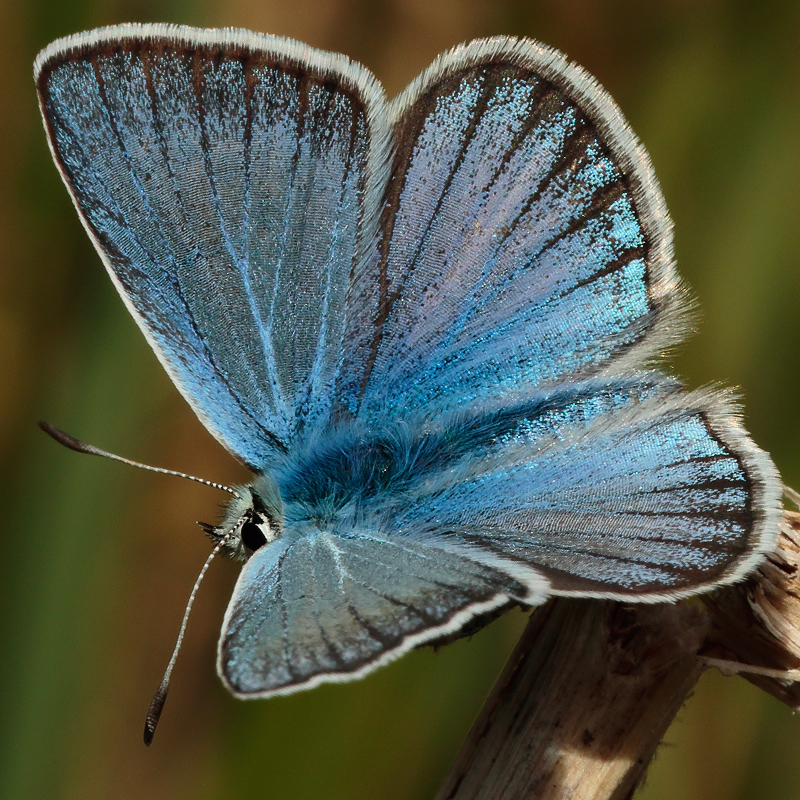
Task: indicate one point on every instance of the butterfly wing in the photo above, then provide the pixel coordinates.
(622, 487)
(222, 177)
(614, 490)
(524, 239)
(319, 607)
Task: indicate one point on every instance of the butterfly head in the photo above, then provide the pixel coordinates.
(252, 520)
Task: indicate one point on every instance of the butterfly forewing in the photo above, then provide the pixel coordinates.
(223, 181)
(524, 239)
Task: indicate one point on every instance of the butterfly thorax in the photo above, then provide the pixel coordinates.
(344, 477)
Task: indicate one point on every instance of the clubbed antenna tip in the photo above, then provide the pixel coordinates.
(154, 712)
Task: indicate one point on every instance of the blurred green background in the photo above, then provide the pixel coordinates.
(97, 560)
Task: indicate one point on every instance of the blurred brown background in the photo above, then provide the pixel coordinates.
(97, 560)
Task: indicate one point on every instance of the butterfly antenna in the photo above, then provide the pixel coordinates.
(160, 697)
(81, 447)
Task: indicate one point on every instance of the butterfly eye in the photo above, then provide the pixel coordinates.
(252, 536)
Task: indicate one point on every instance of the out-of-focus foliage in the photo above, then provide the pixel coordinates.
(97, 560)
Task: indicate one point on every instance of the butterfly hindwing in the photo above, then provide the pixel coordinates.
(223, 179)
(610, 490)
(524, 239)
(326, 607)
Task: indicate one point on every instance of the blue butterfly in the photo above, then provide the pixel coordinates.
(427, 326)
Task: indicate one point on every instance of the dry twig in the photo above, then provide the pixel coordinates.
(592, 686)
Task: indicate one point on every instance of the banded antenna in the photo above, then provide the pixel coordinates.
(81, 447)
(160, 697)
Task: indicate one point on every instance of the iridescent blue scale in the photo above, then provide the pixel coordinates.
(428, 326)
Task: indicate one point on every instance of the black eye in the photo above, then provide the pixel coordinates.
(252, 536)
